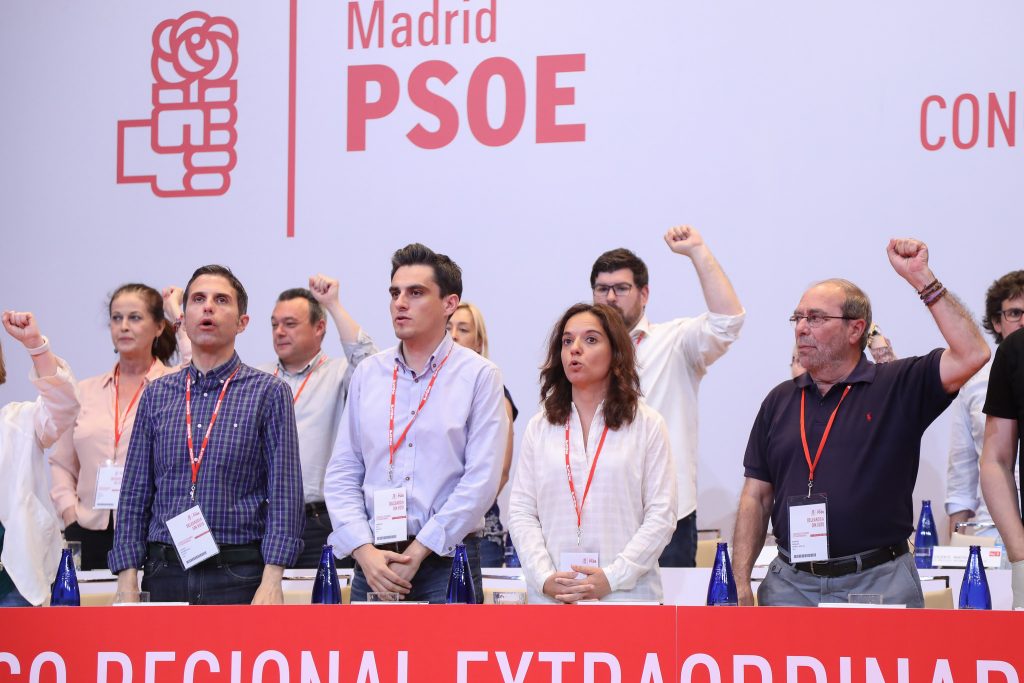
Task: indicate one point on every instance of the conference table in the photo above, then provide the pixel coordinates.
(682, 587)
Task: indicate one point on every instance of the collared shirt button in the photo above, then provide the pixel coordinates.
(410, 444)
(205, 394)
(408, 478)
(413, 412)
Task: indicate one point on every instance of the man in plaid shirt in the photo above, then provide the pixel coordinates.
(217, 438)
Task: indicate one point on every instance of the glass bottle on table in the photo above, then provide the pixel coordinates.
(974, 592)
(722, 586)
(326, 587)
(64, 592)
(460, 583)
(924, 538)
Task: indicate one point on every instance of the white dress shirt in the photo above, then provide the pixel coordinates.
(449, 463)
(672, 358)
(967, 436)
(32, 541)
(318, 409)
(629, 514)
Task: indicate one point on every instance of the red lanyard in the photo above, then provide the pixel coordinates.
(824, 437)
(392, 444)
(119, 425)
(640, 338)
(578, 506)
(193, 460)
(295, 399)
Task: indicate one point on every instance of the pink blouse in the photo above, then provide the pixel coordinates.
(81, 451)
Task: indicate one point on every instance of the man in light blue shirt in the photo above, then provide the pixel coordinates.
(424, 430)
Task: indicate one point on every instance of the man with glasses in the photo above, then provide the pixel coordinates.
(833, 454)
(1004, 406)
(673, 357)
(1004, 302)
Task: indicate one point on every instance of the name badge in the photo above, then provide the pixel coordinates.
(390, 516)
(808, 528)
(192, 537)
(568, 558)
(108, 487)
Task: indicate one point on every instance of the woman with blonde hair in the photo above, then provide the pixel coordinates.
(468, 329)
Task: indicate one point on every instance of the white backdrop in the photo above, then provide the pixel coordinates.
(790, 135)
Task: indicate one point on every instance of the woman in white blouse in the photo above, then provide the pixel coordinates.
(594, 498)
(29, 528)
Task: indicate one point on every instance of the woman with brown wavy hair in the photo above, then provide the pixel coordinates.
(594, 498)
(86, 463)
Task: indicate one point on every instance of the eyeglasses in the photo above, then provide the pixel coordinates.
(816, 319)
(621, 289)
(1010, 315)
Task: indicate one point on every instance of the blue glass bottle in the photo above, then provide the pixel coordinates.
(722, 587)
(924, 539)
(326, 587)
(460, 583)
(64, 592)
(974, 593)
(511, 556)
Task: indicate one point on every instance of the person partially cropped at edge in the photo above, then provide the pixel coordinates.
(673, 357)
(836, 450)
(594, 499)
(30, 541)
(420, 447)
(239, 468)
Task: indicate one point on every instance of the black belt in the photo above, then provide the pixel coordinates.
(248, 553)
(398, 547)
(314, 509)
(851, 564)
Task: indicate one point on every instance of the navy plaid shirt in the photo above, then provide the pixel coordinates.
(250, 482)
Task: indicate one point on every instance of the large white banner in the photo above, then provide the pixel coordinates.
(523, 138)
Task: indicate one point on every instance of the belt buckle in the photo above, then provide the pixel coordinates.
(813, 566)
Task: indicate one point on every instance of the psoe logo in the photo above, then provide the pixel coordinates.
(186, 148)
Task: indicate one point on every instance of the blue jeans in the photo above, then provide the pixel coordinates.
(431, 581)
(14, 599)
(220, 580)
(491, 554)
(681, 551)
(314, 536)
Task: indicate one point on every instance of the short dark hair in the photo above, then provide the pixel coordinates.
(316, 311)
(617, 259)
(165, 345)
(620, 404)
(447, 273)
(1009, 286)
(224, 272)
(856, 305)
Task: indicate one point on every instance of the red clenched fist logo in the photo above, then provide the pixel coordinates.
(186, 148)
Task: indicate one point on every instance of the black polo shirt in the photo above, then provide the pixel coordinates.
(1005, 397)
(869, 464)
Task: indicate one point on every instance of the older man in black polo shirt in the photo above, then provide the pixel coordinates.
(833, 454)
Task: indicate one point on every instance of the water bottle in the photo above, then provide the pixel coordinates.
(64, 592)
(511, 556)
(924, 539)
(722, 587)
(460, 583)
(974, 593)
(326, 587)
